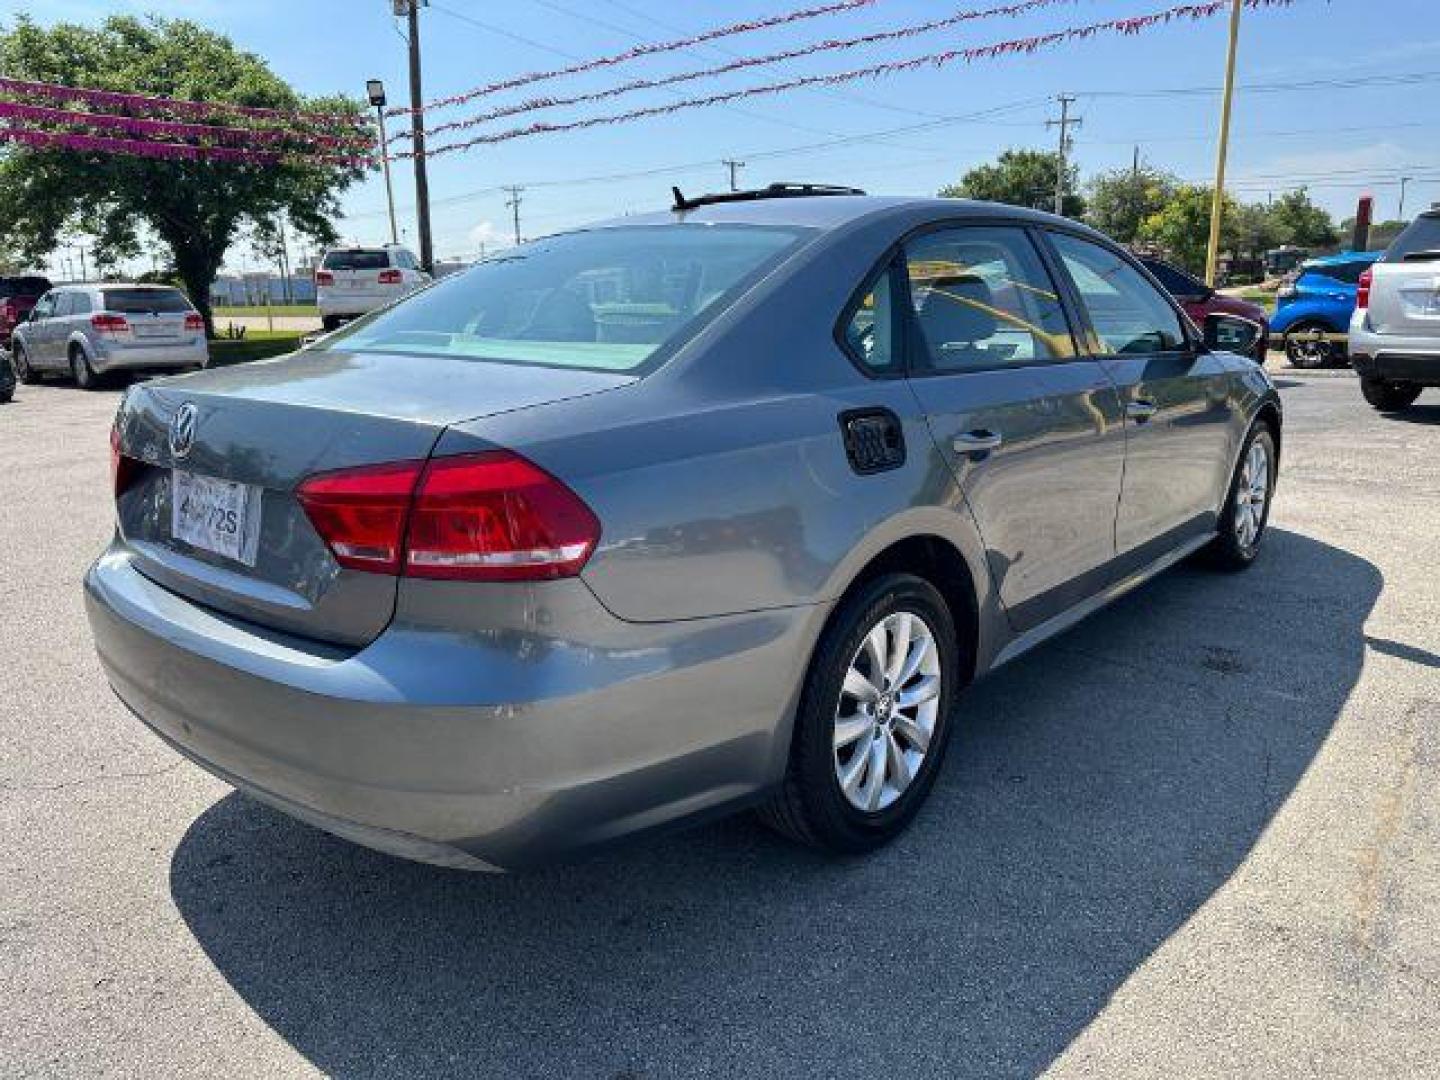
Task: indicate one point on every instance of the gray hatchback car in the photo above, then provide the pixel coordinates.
(90, 331)
(714, 508)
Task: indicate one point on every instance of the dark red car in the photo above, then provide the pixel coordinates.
(17, 297)
(1199, 300)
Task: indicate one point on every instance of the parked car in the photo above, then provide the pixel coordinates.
(674, 515)
(7, 378)
(1395, 332)
(90, 331)
(1200, 300)
(17, 297)
(355, 280)
(1319, 302)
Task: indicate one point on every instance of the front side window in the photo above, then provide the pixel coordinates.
(44, 307)
(605, 299)
(982, 298)
(1130, 316)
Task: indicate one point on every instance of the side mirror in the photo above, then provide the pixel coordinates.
(1232, 334)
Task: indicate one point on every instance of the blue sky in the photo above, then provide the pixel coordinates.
(1337, 141)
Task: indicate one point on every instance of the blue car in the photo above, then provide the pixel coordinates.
(1320, 301)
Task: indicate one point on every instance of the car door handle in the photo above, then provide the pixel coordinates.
(979, 441)
(1141, 411)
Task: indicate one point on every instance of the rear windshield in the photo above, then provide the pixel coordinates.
(1175, 282)
(608, 299)
(356, 260)
(141, 301)
(1422, 234)
(23, 286)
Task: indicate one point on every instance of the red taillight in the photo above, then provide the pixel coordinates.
(390, 277)
(194, 321)
(491, 516)
(1362, 289)
(110, 324)
(122, 466)
(324, 277)
(9, 314)
(361, 513)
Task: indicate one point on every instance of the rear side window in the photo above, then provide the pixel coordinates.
(1130, 316)
(80, 304)
(357, 260)
(143, 301)
(1420, 236)
(982, 299)
(870, 331)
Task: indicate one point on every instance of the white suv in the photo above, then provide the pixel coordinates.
(1395, 331)
(354, 280)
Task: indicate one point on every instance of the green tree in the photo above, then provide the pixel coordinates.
(1020, 178)
(1255, 229)
(1120, 200)
(195, 208)
(1299, 221)
(1182, 226)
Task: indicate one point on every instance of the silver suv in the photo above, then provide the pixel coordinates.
(89, 331)
(1395, 331)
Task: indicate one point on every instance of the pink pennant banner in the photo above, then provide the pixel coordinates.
(171, 129)
(1017, 47)
(104, 144)
(638, 51)
(834, 45)
(150, 105)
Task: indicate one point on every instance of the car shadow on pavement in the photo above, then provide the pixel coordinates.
(1098, 793)
(1421, 413)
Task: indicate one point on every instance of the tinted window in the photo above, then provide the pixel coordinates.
(140, 301)
(1129, 314)
(23, 286)
(80, 304)
(1176, 282)
(64, 305)
(870, 331)
(982, 298)
(606, 299)
(356, 260)
(1422, 234)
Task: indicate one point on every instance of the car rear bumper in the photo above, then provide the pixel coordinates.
(1401, 358)
(483, 751)
(353, 303)
(109, 357)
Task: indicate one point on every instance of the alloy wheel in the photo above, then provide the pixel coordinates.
(1252, 494)
(886, 715)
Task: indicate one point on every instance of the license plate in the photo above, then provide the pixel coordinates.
(142, 330)
(218, 516)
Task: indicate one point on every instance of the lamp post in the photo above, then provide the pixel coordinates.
(375, 90)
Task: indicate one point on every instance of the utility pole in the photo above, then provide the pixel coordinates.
(84, 272)
(1217, 204)
(411, 10)
(734, 167)
(1400, 214)
(1065, 123)
(514, 205)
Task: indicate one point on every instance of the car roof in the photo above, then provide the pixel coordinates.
(827, 212)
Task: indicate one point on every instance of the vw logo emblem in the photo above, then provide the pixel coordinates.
(182, 430)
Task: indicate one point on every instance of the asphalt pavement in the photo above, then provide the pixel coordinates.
(1197, 836)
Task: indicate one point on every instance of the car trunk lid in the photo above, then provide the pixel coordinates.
(254, 434)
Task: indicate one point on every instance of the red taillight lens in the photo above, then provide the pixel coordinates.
(9, 313)
(496, 517)
(361, 513)
(491, 516)
(110, 324)
(1362, 290)
(324, 277)
(122, 466)
(194, 321)
(390, 277)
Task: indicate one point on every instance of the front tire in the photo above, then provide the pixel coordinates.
(1247, 507)
(23, 371)
(1303, 350)
(329, 323)
(873, 721)
(1389, 396)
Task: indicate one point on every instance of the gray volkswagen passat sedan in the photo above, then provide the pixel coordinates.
(712, 508)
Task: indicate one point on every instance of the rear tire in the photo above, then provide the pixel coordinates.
(1389, 396)
(81, 371)
(1247, 506)
(329, 323)
(876, 703)
(23, 371)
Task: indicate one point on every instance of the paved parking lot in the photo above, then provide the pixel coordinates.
(1198, 836)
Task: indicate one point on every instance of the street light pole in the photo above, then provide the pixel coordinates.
(734, 167)
(375, 90)
(1400, 214)
(1217, 204)
(411, 10)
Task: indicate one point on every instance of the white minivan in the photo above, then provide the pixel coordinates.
(354, 280)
